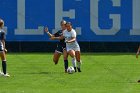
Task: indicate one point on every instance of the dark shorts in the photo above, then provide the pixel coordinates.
(60, 48)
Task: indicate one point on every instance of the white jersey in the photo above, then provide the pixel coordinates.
(68, 36)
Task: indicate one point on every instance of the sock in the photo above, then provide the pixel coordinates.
(66, 64)
(4, 66)
(78, 64)
(75, 69)
(74, 62)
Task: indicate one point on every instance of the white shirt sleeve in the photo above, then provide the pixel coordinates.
(73, 33)
(64, 33)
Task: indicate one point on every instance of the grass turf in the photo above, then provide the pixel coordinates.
(101, 73)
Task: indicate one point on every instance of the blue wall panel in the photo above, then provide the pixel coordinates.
(94, 20)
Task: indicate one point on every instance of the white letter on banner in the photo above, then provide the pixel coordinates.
(94, 19)
(21, 22)
(59, 14)
(136, 18)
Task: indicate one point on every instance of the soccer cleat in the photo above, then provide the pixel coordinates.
(65, 70)
(55, 63)
(79, 70)
(6, 75)
(138, 81)
(75, 69)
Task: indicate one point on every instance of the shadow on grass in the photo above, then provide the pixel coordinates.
(108, 54)
(45, 73)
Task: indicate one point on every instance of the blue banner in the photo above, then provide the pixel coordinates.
(94, 20)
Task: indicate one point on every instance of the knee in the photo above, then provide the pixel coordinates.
(73, 56)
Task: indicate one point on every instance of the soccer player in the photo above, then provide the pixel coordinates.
(72, 45)
(61, 46)
(138, 52)
(3, 50)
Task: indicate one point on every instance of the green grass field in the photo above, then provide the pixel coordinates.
(101, 73)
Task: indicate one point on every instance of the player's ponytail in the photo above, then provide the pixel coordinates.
(1, 23)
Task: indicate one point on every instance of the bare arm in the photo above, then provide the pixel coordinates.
(57, 38)
(72, 40)
(47, 31)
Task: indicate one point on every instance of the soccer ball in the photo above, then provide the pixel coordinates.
(70, 70)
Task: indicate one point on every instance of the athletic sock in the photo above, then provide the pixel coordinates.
(74, 63)
(4, 66)
(66, 64)
(79, 66)
(75, 69)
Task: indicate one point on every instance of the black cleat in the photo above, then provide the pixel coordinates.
(138, 81)
(79, 70)
(65, 70)
(55, 63)
(75, 69)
